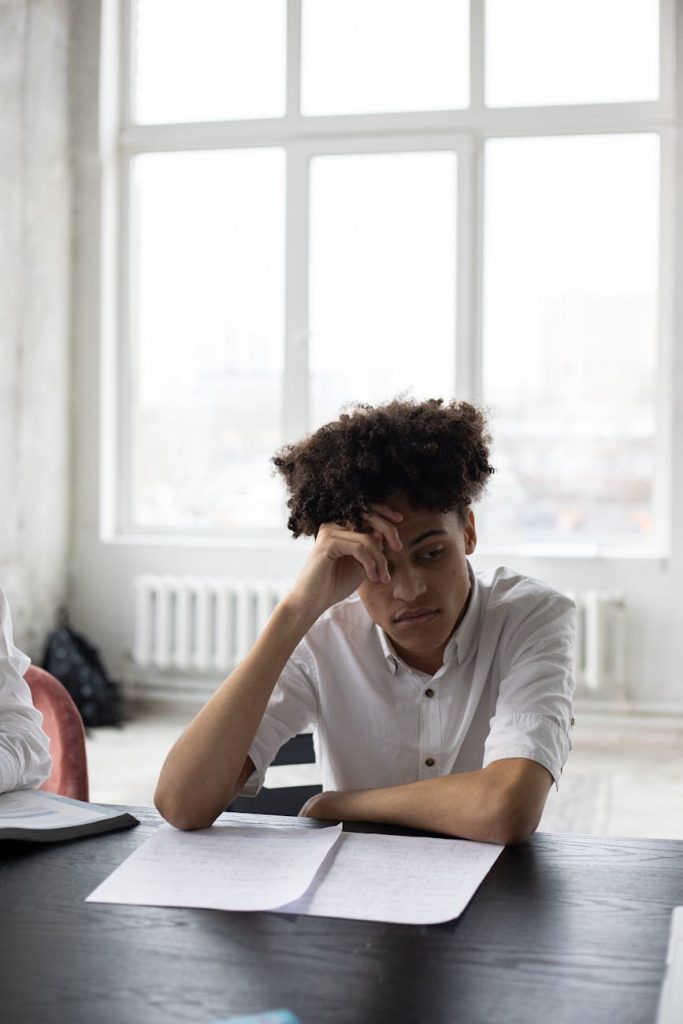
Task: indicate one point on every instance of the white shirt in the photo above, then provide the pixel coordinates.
(504, 690)
(24, 758)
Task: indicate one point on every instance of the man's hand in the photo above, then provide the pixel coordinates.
(324, 805)
(502, 803)
(342, 558)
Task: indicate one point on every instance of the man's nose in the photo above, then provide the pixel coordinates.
(407, 583)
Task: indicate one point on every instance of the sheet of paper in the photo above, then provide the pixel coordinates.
(671, 1000)
(400, 879)
(33, 808)
(226, 867)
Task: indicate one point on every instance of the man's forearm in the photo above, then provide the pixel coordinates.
(200, 774)
(494, 805)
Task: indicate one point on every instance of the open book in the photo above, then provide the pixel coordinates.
(45, 817)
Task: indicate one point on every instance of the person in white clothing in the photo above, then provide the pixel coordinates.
(24, 756)
(440, 698)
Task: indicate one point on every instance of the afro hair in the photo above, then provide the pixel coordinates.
(434, 454)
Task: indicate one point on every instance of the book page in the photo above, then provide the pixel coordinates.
(400, 879)
(671, 997)
(229, 866)
(35, 809)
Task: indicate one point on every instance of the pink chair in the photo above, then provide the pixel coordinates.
(63, 724)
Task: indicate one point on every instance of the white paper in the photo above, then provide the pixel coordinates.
(265, 865)
(226, 867)
(671, 1001)
(401, 879)
(33, 808)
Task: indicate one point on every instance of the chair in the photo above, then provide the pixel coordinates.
(63, 725)
(287, 800)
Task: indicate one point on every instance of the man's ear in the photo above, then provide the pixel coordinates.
(470, 533)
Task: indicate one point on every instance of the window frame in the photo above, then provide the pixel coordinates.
(302, 138)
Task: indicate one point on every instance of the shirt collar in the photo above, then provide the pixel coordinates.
(465, 638)
(390, 655)
(460, 644)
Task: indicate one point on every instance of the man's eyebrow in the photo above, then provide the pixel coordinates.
(423, 536)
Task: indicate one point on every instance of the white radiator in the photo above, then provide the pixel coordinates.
(600, 640)
(200, 625)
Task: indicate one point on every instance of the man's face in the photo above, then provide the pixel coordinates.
(421, 605)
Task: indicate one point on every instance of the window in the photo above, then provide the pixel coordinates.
(542, 52)
(209, 231)
(382, 278)
(328, 201)
(376, 56)
(570, 334)
(208, 60)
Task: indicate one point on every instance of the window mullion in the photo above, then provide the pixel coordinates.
(293, 59)
(128, 68)
(295, 383)
(467, 270)
(666, 321)
(477, 56)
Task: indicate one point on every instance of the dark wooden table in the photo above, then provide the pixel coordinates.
(564, 929)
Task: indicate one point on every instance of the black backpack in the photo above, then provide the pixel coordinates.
(77, 665)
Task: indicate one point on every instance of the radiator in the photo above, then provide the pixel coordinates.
(201, 625)
(600, 641)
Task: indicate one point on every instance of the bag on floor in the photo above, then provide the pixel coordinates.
(78, 666)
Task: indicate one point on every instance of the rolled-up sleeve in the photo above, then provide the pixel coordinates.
(292, 708)
(24, 755)
(533, 712)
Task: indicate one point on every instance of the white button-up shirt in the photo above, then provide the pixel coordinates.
(504, 690)
(24, 758)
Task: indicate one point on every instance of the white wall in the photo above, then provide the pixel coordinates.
(35, 243)
(105, 568)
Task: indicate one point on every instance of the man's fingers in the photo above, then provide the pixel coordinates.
(389, 512)
(361, 546)
(386, 529)
(370, 555)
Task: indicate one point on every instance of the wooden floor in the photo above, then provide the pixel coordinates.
(623, 778)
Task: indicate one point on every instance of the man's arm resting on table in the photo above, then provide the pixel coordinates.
(501, 803)
(209, 763)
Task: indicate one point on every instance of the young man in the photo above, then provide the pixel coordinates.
(24, 758)
(441, 699)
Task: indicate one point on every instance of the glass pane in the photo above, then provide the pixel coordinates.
(209, 60)
(540, 52)
(374, 56)
(570, 336)
(209, 233)
(382, 278)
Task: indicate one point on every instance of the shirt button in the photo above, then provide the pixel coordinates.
(429, 692)
(430, 762)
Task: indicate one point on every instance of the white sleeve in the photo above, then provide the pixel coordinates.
(292, 707)
(24, 758)
(533, 713)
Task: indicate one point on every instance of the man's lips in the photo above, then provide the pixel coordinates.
(415, 615)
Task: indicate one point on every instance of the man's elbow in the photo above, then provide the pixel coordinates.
(510, 824)
(510, 832)
(178, 815)
(500, 827)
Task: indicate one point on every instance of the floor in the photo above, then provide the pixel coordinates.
(624, 777)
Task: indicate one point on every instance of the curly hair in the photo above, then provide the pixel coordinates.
(434, 454)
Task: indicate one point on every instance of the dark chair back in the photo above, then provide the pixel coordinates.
(287, 800)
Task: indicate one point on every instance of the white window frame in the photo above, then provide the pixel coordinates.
(463, 131)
